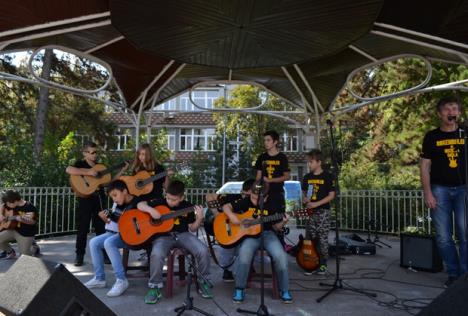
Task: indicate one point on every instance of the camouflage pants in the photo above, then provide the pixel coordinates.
(317, 229)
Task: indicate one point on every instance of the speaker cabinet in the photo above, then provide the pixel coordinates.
(420, 252)
(451, 302)
(42, 288)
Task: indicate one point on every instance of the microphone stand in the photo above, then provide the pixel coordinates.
(188, 302)
(262, 309)
(338, 284)
(463, 128)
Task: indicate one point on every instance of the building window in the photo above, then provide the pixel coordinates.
(121, 140)
(290, 141)
(197, 139)
(171, 137)
(167, 106)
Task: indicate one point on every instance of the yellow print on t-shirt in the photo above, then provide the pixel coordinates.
(270, 169)
(316, 185)
(451, 152)
(256, 211)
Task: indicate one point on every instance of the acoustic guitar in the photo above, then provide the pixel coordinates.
(84, 186)
(138, 228)
(142, 182)
(228, 234)
(221, 200)
(9, 222)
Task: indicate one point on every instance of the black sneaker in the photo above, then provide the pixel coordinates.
(227, 276)
(79, 260)
(450, 281)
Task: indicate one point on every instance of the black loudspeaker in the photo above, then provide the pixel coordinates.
(420, 252)
(451, 302)
(43, 288)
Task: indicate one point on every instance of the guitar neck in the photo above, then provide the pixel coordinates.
(267, 219)
(154, 178)
(112, 168)
(181, 212)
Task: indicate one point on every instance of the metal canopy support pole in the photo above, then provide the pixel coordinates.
(316, 104)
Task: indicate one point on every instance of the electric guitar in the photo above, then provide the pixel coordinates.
(228, 234)
(137, 227)
(142, 182)
(307, 256)
(84, 186)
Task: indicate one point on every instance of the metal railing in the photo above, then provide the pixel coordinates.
(391, 210)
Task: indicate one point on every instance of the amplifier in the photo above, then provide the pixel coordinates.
(420, 252)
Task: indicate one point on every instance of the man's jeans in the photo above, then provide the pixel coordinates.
(450, 203)
(274, 248)
(112, 243)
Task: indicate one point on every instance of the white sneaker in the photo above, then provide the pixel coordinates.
(95, 284)
(118, 288)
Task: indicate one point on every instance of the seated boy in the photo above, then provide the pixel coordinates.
(111, 241)
(250, 245)
(25, 228)
(180, 237)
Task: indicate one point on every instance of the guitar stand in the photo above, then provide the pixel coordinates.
(188, 302)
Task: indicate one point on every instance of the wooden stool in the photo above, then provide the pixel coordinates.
(273, 285)
(125, 258)
(180, 255)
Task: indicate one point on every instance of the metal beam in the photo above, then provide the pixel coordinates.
(56, 32)
(112, 41)
(55, 23)
(293, 83)
(363, 53)
(423, 35)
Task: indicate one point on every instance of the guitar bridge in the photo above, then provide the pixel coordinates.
(136, 226)
(228, 228)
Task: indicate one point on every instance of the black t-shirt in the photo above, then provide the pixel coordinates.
(25, 229)
(115, 213)
(157, 192)
(273, 167)
(181, 222)
(446, 152)
(85, 165)
(246, 205)
(317, 187)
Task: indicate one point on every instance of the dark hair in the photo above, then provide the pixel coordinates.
(247, 185)
(89, 144)
(449, 99)
(315, 154)
(117, 185)
(273, 134)
(10, 196)
(258, 185)
(176, 187)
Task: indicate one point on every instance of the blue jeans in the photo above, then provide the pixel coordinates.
(274, 248)
(112, 243)
(227, 257)
(450, 202)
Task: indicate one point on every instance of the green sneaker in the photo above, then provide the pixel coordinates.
(153, 296)
(322, 270)
(204, 289)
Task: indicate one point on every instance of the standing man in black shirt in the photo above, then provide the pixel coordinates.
(89, 207)
(443, 178)
(25, 227)
(273, 167)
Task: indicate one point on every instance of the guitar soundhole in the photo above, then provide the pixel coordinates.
(139, 184)
(99, 175)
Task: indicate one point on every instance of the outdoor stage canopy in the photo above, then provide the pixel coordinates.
(300, 50)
